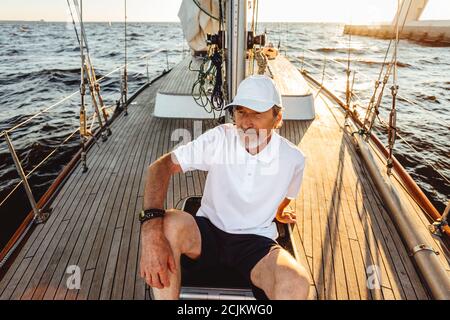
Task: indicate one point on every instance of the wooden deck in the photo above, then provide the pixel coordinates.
(289, 81)
(180, 80)
(342, 230)
(286, 76)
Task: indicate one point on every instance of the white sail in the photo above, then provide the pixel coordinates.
(196, 23)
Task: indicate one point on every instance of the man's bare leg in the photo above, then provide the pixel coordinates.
(173, 291)
(184, 237)
(280, 276)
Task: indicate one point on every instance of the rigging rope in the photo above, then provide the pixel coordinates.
(89, 72)
(124, 80)
(253, 55)
(208, 89)
(217, 98)
(221, 17)
(83, 127)
(262, 61)
(373, 109)
(365, 76)
(204, 11)
(209, 81)
(82, 30)
(257, 15)
(348, 90)
(386, 126)
(392, 131)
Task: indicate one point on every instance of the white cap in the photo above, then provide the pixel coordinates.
(257, 92)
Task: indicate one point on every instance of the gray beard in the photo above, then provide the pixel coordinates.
(252, 140)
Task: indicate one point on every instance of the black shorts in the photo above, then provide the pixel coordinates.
(236, 251)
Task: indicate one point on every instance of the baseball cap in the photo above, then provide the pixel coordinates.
(257, 92)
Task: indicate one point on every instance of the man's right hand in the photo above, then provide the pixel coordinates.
(157, 257)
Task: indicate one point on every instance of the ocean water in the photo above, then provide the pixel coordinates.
(40, 64)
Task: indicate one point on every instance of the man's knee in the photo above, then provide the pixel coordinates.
(281, 276)
(175, 224)
(181, 230)
(291, 282)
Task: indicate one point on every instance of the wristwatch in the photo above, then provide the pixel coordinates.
(149, 214)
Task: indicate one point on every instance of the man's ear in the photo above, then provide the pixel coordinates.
(278, 120)
(231, 113)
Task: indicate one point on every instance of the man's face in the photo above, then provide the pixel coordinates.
(254, 127)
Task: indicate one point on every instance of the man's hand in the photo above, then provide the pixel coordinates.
(157, 256)
(286, 216)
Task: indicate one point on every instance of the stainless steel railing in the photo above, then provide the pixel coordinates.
(39, 215)
(327, 74)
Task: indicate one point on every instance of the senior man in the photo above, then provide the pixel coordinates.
(253, 174)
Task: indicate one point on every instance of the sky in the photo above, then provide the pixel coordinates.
(348, 11)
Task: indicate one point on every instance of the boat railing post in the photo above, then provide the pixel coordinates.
(446, 212)
(323, 71)
(302, 68)
(39, 215)
(125, 70)
(167, 60)
(437, 227)
(148, 76)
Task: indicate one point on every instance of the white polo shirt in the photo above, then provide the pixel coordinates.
(243, 191)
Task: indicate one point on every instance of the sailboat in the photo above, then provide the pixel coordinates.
(363, 226)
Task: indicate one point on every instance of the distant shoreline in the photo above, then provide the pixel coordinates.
(59, 21)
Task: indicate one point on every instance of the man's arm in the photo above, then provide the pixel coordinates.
(157, 256)
(157, 184)
(285, 216)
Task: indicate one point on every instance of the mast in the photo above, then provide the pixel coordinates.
(236, 44)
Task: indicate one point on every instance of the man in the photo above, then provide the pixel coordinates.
(253, 174)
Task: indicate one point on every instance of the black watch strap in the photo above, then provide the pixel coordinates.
(149, 214)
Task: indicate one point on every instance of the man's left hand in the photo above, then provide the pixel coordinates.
(287, 216)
